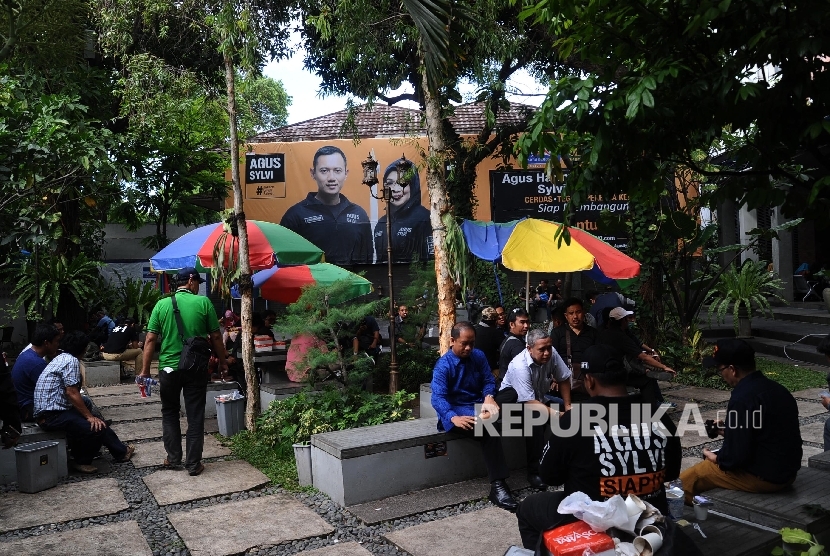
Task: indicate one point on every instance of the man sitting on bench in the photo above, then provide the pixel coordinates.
(761, 449)
(460, 380)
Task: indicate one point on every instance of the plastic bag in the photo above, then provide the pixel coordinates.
(601, 516)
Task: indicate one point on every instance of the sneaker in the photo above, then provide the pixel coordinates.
(128, 456)
(670, 406)
(197, 470)
(86, 469)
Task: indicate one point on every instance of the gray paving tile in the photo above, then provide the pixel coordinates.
(693, 393)
(123, 537)
(813, 432)
(686, 463)
(138, 431)
(431, 499)
(151, 454)
(809, 393)
(221, 477)
(108, 401)
(145, 430)
(120, 413)
(278, 518)
(488, 531)
(808, 409)
(809, 451)
(63, 503)
(339, 549)
(120, 390)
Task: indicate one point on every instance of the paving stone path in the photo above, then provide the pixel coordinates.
(138, 508)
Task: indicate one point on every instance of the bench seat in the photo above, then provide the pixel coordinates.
(370, 463)
(785, 508)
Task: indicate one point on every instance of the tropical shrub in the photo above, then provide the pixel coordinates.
(308, 412)
(745, 289)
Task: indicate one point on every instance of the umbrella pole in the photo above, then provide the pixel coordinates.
(527, 293)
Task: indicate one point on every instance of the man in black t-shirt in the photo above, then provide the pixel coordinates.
(518, 323)
(635, 457)
(367, 337)
(489, 337)
(123, 344)
(615, 336)
(573, 338)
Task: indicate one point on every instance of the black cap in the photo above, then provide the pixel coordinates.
(731, 352)
(601, 358)
(187, 273)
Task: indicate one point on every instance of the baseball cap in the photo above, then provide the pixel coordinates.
(731, 352)
(186, 273)
(601, 358)
(488, 313)
(618, 313)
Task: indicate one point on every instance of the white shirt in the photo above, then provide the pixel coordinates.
(523, 373)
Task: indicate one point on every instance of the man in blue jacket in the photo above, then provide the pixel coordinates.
(460, 380)
(327, 218)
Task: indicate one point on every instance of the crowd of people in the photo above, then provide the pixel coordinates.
(592, 358)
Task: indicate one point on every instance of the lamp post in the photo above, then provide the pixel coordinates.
(370, 178)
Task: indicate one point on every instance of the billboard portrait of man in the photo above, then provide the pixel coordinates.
(327, 218)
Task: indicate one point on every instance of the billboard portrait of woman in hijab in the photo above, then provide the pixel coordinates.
(411, 229)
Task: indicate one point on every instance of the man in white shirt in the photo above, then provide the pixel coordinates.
(530, 377)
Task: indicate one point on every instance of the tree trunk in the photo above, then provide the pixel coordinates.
(438, 207)
(245, 285)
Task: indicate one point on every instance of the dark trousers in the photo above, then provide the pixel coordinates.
(493, 454)
(9, 412)
(84, 442)
(193, 384)
(535, 443)
(536, 514)
(648, 387)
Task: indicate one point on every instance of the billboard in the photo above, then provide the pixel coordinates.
(529, 194)
(315, 189)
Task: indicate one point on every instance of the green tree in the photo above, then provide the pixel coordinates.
(660, 81)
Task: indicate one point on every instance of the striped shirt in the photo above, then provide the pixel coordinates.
(50, 391)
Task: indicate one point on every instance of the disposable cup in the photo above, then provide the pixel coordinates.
(651, 529)
(675, 506)
(701, 512)
(651, 541)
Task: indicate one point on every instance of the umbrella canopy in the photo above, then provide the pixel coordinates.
(285, 284)
(265, 242)
(533, 247)
(486, 240)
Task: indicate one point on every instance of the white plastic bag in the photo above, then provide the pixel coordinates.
(601, 516)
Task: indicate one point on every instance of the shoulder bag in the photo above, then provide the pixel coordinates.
(195, 350)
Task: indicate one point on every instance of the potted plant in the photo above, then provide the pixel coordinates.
(743, 290)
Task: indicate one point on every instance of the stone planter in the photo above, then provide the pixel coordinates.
(302, 456)
(744, 324)
(826, 295)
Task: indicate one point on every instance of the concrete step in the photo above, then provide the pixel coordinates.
(821, 316)
(780, 509)
(820, 461)
(797, 352)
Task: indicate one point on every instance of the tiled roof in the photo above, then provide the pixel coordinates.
(387, 121)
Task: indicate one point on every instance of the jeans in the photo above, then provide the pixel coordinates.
(84, 442)
(194, 386)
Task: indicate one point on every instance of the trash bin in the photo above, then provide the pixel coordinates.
(230, 413)
(302, 456)
(37, 466)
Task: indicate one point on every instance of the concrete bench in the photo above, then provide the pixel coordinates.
(820, 461)
(785, 508)
(369, 463)
(101, 373)
(725, 537)
(33, 433)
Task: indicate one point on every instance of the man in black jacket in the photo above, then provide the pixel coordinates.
(635, 453)
(489, 337)
(327, 218)
(761, 449)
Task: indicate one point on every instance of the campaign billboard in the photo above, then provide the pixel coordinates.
(315, 189)
(530, 194)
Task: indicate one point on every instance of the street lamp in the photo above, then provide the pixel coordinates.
(370, 179)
